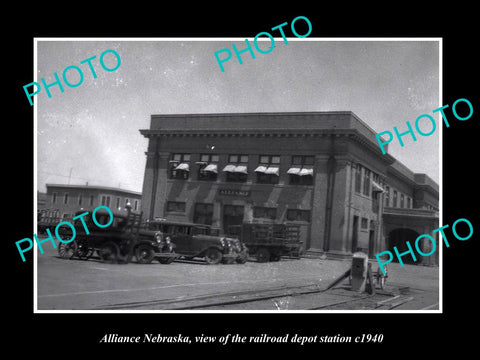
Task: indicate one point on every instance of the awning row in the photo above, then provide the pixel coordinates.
(304, 171)
(243, 169)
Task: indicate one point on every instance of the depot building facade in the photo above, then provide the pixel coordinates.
(321, 170)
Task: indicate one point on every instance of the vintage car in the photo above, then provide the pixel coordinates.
(118, 242)
(200, 241)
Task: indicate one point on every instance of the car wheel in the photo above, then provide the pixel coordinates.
(241, 259)
(84, 252)
(274, 257)
(263, 255)
(213, 256)
(67, 251)
(144, 254)
(163, 260)
(109, 252)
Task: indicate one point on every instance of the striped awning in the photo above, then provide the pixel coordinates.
(229, 168)
(211, 168)
(294, 171)
(241, 169)
(376, 187)
(183, 166)
(235, 168)
(272, 170)
(261, 169)
(306, 171)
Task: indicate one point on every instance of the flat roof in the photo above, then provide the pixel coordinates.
(93, 187)
(317, 120)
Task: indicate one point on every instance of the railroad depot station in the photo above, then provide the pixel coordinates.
(321, 170)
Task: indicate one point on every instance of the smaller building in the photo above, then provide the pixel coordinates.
(62, 201)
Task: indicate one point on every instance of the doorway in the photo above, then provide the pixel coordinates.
(232, 218)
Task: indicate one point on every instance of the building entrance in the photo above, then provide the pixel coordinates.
(232, 215)
(399, 238)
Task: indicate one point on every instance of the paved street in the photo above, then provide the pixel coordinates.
(94, 285)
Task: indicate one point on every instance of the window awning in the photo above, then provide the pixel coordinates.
(272, 170)
(376, 187)
(306, 171)
(229, 168)
(294, 171)
(211, 168)
(241, 169)
(232, 168)
(183, 166)
(261, 169)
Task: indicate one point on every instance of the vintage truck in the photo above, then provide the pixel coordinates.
(269, 242)
(119, 242)
(200, 241)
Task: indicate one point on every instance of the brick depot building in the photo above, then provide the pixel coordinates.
(321, 170)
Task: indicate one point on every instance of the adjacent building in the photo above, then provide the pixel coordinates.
(62, 201)
(321, 170)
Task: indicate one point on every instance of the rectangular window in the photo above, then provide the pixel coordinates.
(298, 215)
(237, 168)
(260, 212)
(176, 206)
(301, 170)
(136, 205)
(358, 178)
(54, 198)
(387, 195)
(106, 200)
(208, 167)
(179, 166)
(80, 199)
(366, 182)
(92, 199)
(65, 199)
(268, 170)
(126, 201)
(395, 198)
(118, 203)
(364, 223)
(402, 200)
(409, 202)
(203, 214)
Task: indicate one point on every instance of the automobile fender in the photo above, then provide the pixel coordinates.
(203, 252)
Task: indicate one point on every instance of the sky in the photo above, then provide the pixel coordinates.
(90, 133)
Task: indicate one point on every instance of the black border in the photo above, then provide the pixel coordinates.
(55, 333)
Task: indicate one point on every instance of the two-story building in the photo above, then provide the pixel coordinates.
(62, 201)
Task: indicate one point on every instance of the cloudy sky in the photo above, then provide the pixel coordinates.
(90, 132)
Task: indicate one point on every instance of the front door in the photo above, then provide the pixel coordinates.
(232, 215)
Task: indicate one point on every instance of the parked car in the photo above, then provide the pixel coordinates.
(201, 241)
(119, 242)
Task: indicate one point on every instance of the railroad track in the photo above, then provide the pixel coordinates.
(216, 299)
(339, 298)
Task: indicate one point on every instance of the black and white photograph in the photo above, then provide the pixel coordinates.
(262, 187)
(241, 183)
